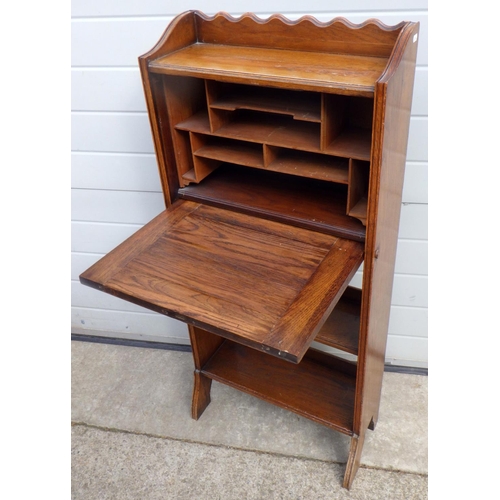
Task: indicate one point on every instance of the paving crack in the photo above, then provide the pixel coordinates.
(250, 450)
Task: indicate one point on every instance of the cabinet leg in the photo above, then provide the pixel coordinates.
(201, 394)
(204, 345)
(353, 460)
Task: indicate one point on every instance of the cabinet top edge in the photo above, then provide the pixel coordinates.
(297, 83)
(292, 22)
(306, 70)
(337, 36)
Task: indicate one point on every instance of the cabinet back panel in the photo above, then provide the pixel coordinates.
(338, 36)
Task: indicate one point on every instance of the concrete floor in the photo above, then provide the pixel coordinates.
(133, 437)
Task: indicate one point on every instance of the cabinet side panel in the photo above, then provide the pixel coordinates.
(179, 33)
(391, 126)
(204, 345)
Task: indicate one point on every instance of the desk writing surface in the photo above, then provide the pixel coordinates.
(265, 284)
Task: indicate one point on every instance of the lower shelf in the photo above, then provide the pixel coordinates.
(320, 388)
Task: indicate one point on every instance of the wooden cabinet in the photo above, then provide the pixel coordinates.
(281, 149)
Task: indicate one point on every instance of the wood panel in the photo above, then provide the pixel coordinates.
(351, 143)
(205, 345)
(269, 285)
(392, 114)
(409, 292)
(300, 105)
(239, 153)
(320, 387)
(311, 165)
(260, 128)
(341, 329)
(183, 97)
(300, 201)
(306, 34)
(354, 75)
(180, 32)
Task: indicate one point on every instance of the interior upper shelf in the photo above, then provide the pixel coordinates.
(344, 73)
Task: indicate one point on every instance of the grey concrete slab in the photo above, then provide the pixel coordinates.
(148, 391)
(117, 465)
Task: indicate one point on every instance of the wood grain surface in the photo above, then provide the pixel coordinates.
(267, 284)
(320, 388)
(352, 74)
(299, 201)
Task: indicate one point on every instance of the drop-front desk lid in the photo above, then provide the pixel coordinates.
(261, 283)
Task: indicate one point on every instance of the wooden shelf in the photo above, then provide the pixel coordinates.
(352, 143)
(321, 387)
(311, 165)
(274, 130)
(344, 73)
(307, 203)
(189, 176)
(341, 329)
(286, 161)
(284, 132)
(249, 154)
(305, 106)
(359, 210)
(357, 195)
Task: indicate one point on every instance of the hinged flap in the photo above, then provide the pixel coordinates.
(261, 283)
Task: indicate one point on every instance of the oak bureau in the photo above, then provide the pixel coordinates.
(281, 149)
